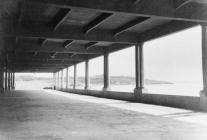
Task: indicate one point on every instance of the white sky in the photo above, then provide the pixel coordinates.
(176, 57)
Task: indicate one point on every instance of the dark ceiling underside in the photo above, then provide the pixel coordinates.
(48, 35)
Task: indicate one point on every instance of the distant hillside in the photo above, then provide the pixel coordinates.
(115, 80)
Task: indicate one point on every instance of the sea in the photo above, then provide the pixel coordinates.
(182, 88)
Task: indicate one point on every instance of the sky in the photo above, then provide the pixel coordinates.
(176, 57)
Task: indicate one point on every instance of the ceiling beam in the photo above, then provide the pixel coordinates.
(38, 65)
(149, 8)
(90, 45)
(45, 60)
(130, 24)
(97, 21)
(26, 63)
(67, 43)
(43, 42)
(43, 56)
(60, 17)
(181, 3)
(27, 47)
(75, 33)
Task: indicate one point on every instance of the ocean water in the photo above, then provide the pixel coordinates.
(184, 89)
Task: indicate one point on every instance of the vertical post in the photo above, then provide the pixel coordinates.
(87, 78)
(139, 69)
(58, 80)
(61, 80)
(75, 76)
(54, 80)
(203, 93)
(67, 78)
(13, 80)
(9, 80)
(1, 80)
(106, 71)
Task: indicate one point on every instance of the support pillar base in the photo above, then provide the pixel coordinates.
(138, 93)
(105, 91)
(203, 100)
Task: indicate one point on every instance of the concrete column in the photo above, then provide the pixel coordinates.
(67, 78)
(13, 80)
(61, 80)
(58, 80)
(9, 81)
(75, 76)
(106, 72)
(87, 78)
(1, 80)
(139, 69)
(203, 93)
(54, 81)
(5, 79)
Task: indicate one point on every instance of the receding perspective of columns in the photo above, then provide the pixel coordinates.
(87, 78)
(203, 93)
(75, 76)
(106, 72)
(139, 70)
(67, 77)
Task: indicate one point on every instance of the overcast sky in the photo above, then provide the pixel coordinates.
(176, 57)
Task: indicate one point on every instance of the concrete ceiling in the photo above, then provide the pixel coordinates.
(48, 35)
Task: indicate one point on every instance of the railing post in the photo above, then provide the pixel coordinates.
(87, 78)
(75, 76)
(106, 72)
(139, 70)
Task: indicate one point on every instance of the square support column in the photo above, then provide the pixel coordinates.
(58, 80)
(54, 81)
(67, 78)
(61, 80)
(1, 80)
(5, 80)
(106, 72)
(87, 78)
(13, 80)
(203, 93)
(139, 70)
(9, 80)
(75, 76)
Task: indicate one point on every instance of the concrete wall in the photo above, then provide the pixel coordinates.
(186, 102)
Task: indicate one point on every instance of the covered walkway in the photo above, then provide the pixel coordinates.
(57, 115)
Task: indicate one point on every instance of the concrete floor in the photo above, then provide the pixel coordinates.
(53, 115)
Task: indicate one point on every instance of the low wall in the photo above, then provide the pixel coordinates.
(186, 102)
